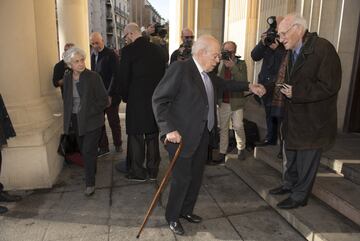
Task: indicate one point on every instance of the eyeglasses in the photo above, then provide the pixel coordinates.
(283, 34)
(125, 36)
(189, 37)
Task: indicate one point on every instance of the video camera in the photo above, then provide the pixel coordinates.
(160, 30)
(226, 55)
(271, 33)
(185, 49)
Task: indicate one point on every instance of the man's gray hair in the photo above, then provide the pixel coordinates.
(299, 20)
(202, 43)
(71, 52)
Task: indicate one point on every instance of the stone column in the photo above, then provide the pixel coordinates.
(73, 25)
(211, 18)
(27, 58)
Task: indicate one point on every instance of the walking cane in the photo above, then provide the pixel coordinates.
(161, 187)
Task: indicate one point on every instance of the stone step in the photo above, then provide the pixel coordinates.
(344, 157)
(316, 221)
(351, 171)
(330, 187)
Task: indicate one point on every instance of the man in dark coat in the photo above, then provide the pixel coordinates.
(184, 107)
(271, 56)
(142, 66)
(105, 62)
(60, 69)
(184, 51)
(312, 82)
(6, 131)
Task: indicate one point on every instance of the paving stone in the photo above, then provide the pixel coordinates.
(73, 231)
(232, 194)
(120, 233)
(264, 225)
(28, 229)
(213, 229)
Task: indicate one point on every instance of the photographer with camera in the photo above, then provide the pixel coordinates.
(156, 34)
(271, 52)
(231, 104)
(184, 51)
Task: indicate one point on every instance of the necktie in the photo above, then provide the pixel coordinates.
(210, 96)
(294, 55)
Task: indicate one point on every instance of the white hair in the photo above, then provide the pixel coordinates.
(299, 20)
(202, 43)
(71, 52)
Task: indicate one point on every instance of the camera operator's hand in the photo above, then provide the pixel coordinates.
(263, 36)
(273, 46)
(229, 63)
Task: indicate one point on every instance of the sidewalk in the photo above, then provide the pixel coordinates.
(230, 209)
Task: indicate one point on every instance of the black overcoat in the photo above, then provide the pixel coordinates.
(310, 118)
(142, 66)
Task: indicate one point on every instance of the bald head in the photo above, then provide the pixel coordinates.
(291, 30)
(187, 34)
(97, 41)
(131, 32)
(206, 51)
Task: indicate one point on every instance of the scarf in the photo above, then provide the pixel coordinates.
(277, 104)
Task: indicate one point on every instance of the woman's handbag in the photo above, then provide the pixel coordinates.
(67, 144)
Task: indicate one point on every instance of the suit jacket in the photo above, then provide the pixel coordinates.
(6, 127)
(310, 119)
(106, 66)
(180, 102)
(142, 66)
(93, 101)
(59, 70)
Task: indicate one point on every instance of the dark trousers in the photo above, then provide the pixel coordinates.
(271, 125)
(112, 114)
(138, 145)
(1, 185)
(300, 171)
(186, 179)
(88, 144)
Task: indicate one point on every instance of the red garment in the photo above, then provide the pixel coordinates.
(226, 94)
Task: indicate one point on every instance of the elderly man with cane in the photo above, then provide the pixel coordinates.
(184, 108)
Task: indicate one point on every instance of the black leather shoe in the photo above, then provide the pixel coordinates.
(290, 203)
(192, 218)
(279, 191)
(3, 209)
(176, 227)
(265, 143)
(5, 197)
(220, 161)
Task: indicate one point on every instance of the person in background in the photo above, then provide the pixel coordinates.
(105, 62)
(85, 99)
(271, 52)
(310, 86)
(184, 51)
(6, 131)
(142, 66)
(60, 68)
(231, 104)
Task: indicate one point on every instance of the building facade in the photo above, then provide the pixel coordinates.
(109, 17)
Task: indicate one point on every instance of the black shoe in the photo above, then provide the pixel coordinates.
(135, 178)
(3, 209)
(192, 218)
(290, 203)
(220, 161)
(176, 227)
(103, 152)
(5, 197)
(241, 155)
(279, 191)
(265, 143)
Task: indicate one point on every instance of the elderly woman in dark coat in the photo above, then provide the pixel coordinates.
(85, 99)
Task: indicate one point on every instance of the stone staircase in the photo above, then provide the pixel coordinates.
(332, 213)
